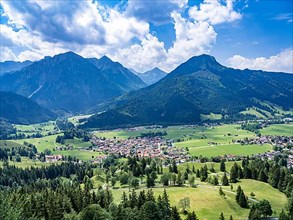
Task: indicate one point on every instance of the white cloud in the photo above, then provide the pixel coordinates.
(148, 54)
(47, 28)
(7, 54)
(44, 28)
(214, 12)
(281, 62)
(192, 38)
(156, 11)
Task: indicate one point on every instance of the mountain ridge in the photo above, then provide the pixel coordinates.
(152, 76)
(198, 86)
(12, 66)
(68, 82)
(18, 109)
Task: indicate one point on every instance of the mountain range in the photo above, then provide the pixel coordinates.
(152, 76)
(17, 109)
(70, 82)
(199, 86)
(12, 66)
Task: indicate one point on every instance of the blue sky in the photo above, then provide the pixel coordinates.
(141, 34)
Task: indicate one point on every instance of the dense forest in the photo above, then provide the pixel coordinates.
(65, 191)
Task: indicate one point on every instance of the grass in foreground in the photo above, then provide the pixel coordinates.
(208, 204)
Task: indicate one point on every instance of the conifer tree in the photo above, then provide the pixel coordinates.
(191, 216)
(225, 181)
(175, 214)
(223, 166)
(221, 216)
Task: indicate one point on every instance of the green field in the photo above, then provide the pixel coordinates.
(198, 165)
(75, 119)
(210, 116)
(252, 111)
(217, 141)
(278, 129)
(221, 150)
(262, 190)
(208, 204)
(173, 132)
(80, 154)
(47, 142)
(27, 163)
(206, 141)
(77, 143)
(42, 128)
(10, 143)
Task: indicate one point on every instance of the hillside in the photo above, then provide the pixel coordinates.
(152, 76)
(6, 129)
(21, 110)
(68, 82)
(114, 71)
(199, 86)
(11, 66)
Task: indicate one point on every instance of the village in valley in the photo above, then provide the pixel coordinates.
(166, 149)
(141, 147)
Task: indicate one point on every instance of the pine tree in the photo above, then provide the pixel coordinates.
(197, 173)
(150, 181)
(141, 199)
(222, 216)
(125, 202)
(191, 216)
(242, 200)
(160, 207)
(133, 199)
(240, 173)
(238, 192)
(203, 173)
(262, 176)
(215, 181)
(179, 179)
(193, 169)
(166, 205)
(150, 196)
(225, 181)
(254, 214)
(221, 192)
(175, 214)
(174, 167)
(223, 166)
(234, 173)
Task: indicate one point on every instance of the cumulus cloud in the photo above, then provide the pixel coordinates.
(38, 28)
(45, 27)
(156, 11)
(149, 53)
(281, 62)
(192, 38)
(214, 12)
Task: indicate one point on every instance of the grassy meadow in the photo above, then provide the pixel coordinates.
(42, 128)
(278, 129)
(208, 204)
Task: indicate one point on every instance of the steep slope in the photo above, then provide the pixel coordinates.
(199, 86)
(114, 71)
(152, 76)
(11, 66)
(21, 110)
(6, 129)
(66, 81)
